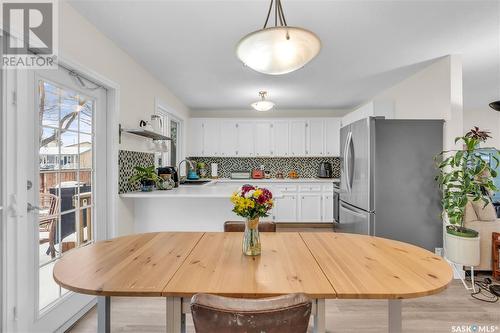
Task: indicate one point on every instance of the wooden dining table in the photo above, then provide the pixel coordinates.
(177, 265)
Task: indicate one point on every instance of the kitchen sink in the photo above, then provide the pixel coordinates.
(195, 182)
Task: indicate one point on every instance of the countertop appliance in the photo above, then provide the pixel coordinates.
(240, 175)
(257, 174)
(387, 185)
(325, 170)
(171, 171)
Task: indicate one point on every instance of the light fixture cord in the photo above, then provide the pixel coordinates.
(278, 14)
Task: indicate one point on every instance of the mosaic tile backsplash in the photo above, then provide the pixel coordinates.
(127, 160)
(306, 167)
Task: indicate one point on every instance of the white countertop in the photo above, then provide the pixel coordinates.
(185, 191)
(276, 180)
(210, 190)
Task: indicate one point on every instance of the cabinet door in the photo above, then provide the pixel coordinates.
(285, 209)
(211, 136)
(298, 137)
(245, 130)
(316, 136)
(332, 137)
(196, 137)
(310, 207)
(327, 208)
(228, 138)
(263, 138)
(281, 138)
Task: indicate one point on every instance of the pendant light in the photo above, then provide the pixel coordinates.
(262, 105)
(280, 49)
(495, 105)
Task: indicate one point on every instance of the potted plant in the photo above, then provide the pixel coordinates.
(146, 176)
(464, 175)
(252, 203)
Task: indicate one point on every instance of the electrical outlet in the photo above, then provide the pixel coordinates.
(438, 251)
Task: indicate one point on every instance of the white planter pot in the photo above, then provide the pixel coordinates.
(462, 250)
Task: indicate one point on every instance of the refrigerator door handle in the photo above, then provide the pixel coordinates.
(346, 161)
(352, 209)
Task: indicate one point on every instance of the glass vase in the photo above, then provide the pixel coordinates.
(251, 238)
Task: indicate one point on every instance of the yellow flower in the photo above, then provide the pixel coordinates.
(257, 193)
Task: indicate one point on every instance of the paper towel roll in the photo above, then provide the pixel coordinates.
(214, 170)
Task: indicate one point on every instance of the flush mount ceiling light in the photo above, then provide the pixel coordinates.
(280, 49)
(262, 105)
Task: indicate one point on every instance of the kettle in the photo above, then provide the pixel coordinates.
(325, 170)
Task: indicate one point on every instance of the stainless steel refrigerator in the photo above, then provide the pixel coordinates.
(387, 180)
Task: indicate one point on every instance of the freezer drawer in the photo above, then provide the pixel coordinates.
(354, 220)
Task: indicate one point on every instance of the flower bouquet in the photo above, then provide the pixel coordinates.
(252, 202)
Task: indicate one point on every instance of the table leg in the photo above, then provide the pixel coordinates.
(174, 315)
(103, 314)
(395, 319)
(319, 316)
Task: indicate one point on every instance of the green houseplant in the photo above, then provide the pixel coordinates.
(465, 175)
(146, 176)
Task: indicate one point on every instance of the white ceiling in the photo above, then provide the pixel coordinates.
(367, 47)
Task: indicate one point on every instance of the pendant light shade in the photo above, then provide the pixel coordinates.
(495, 105)
(280, 49)
(262, 105)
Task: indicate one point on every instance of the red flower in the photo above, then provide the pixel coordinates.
(246, 188)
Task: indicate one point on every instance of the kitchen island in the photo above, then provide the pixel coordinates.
(206, 207)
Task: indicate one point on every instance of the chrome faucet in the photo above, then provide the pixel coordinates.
(191, 165)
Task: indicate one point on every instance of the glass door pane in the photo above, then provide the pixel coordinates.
(66, 171)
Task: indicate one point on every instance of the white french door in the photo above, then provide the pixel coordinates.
(58, 197)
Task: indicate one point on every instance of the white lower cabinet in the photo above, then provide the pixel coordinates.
(310, 207)
(327, 207)
(286, 208)
(307, 203)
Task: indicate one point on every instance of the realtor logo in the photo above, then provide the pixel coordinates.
(30, 34)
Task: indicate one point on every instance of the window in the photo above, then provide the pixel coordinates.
(172, 127)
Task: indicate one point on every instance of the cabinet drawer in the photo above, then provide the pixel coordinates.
(286, 188)
(310, 188)
(328, 187)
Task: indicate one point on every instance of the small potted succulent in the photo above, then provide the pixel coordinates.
(464, 176)
(146, 176)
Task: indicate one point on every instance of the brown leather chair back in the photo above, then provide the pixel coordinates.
(238, 226)
(283, 314)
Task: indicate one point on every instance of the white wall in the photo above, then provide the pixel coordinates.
(81, 42)
(486, 119)
(275, 113)
(433, 93)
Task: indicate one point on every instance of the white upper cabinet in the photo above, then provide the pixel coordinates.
(263, 138)
(298, 143)
(316, 135)
(281, 138)
(228, 138)
(211, 137)
(196, 137)
(332, 137)
(246, 135)
(287, 137)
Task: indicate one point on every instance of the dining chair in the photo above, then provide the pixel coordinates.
(47, 220)
(282, 314)
(239, 226)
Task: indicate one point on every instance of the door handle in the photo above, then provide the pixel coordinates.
(346, 163)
